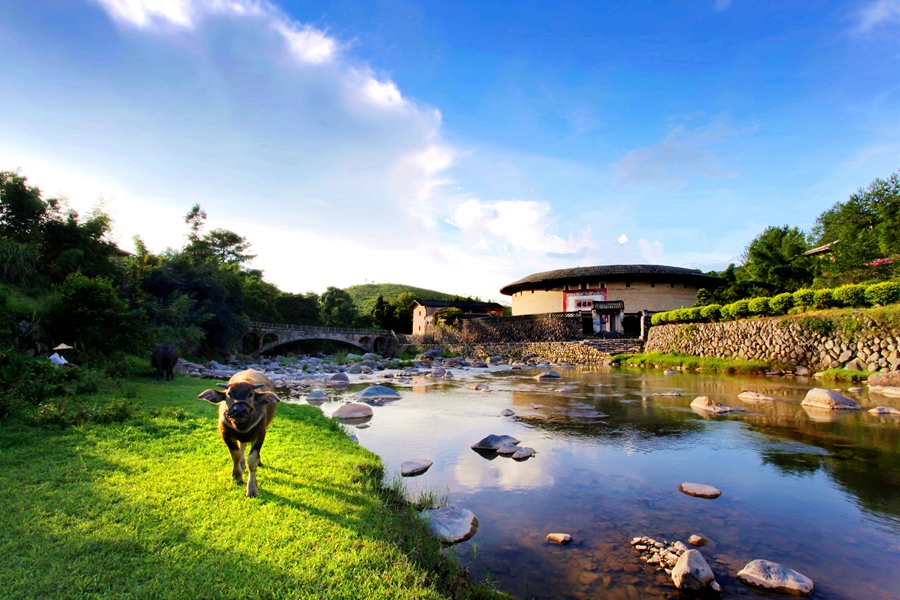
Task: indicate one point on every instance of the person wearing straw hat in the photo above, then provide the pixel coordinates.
(57, 358)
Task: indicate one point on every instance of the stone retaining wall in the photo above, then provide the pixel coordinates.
(858, 342)
(585, 353)
(505, 330)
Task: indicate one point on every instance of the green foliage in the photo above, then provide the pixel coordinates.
(852, 295)
(89, 311)
(816, 325)
(337, 307)
(366, 295)
(781, 304)
(736, 310)
(660, 360)
(773, 259)
(18, 262)
(844, 375)
(449, 316)
(887, 292)
(823, 298)
(22, 210)
(804, 297)
(867, 226)
(711, 312)
(759, 307)
(299, 309)
(26, 380)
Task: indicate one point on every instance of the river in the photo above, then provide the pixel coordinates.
(817, 492)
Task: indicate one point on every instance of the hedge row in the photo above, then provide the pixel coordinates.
(852, 296)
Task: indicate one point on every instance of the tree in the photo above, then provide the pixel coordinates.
(865, 228)
(299, 309)
(449, 316)
(22, 210)
(774, 260)
(337, 308)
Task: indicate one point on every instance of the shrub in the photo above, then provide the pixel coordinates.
(804, 297)
(824, 298)
(659, 318)
(781, 304)
(759, 306)
(887, 292)
(736, 310)
(711, 312)
(850, 295)
(695, 314)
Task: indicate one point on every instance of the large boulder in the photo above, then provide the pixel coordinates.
(692, 572)
(828, 400)
(494, 442)
(316, 396)
(451, 523)
(353, 411)
(339, 378)
(879, 380)
(709, 405)
(772, 577)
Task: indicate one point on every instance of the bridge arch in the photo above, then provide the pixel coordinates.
(266, 336)
(276, 343)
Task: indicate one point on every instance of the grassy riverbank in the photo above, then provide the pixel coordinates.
(141, 505)
(660, 360)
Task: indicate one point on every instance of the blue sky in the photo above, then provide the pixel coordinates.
(456, 146)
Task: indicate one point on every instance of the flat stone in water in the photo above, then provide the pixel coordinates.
(451, 524)
(523, 453)
(828, 400)
(508, 449)
(548, 375)
(667, 394)
(707, 404)
(700, 490)
(479, 386)
(697, 540)
(316, 395)
(670, 372)
(774, 577)
(411, 468)
(353, 411)
(885, 410)
(507, 412)
(559, 538)
(749, 396)
(377, 392)
(493, 442)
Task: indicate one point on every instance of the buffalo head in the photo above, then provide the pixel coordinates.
(241, 400)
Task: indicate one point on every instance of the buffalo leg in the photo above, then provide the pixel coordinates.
(237, 473)
(243, 456)
(253, 463)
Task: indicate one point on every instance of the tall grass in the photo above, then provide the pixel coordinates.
(660, 360)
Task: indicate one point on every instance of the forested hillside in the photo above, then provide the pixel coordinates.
(366, 294)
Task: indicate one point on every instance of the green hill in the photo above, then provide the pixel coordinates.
(365, 295)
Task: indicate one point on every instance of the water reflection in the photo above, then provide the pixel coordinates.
(820, 494)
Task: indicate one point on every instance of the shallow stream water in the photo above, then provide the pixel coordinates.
(818, 492)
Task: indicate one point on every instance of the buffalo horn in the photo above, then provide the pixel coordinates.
(222, 385)
(256, 386)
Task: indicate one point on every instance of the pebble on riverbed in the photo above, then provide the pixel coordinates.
(559, 538)
(664, 556)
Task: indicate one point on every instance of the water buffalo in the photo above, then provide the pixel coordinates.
(246, 408)
(164, 359)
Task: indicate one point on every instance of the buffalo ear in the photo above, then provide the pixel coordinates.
(266, 397)
(212, 396)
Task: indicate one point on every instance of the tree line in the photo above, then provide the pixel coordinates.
(863, 235)
(63, 280)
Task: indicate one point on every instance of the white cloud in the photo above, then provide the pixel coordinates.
(877, 13)
(679, 157)
(520, 225)
(306, 43)
(622, 239)
(652, 252)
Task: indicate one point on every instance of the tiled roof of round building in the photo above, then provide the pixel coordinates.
(654, 273)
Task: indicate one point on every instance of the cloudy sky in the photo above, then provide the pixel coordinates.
(452, 145)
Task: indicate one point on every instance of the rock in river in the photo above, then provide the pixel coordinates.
(691, 572)
(316, 395)
(493, 442)
(451, 523)
(829, 400)
(773, 577)
(509, 449)
(523, 453)
(709, 405)
(506, 412)
(411, 468)
(353, 411)
(698, 540)
(377, 392)
(885, 410)
(749, 396)
(548, 375)
(559, 538)
(699, 490)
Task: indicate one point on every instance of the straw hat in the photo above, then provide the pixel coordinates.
(63, 347)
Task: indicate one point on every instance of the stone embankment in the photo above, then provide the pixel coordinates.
(557, 328)
(583, 352)
(855, 342)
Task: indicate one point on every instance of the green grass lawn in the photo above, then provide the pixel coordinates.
(145, 508)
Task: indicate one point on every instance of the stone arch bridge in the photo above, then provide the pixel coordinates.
(266, 336)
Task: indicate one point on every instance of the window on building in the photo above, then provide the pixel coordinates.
(653, 284)
(584, 286)
(672, 284)
(627, 284)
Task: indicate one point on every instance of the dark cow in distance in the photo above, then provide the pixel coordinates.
(164, 359)
(246, 408)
